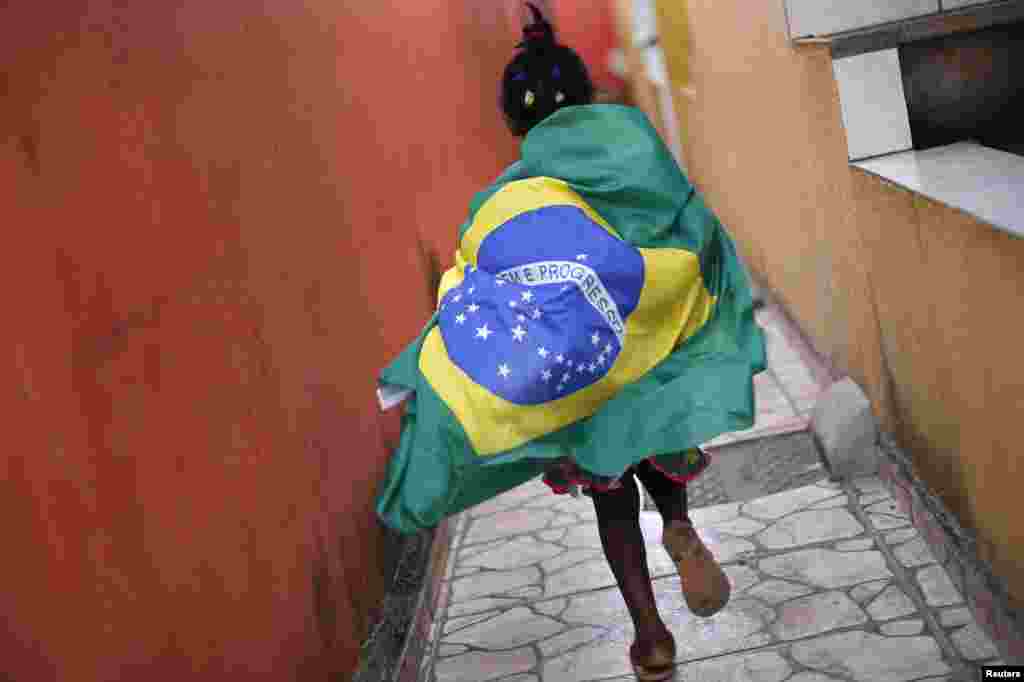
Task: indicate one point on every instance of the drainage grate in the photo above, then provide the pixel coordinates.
(407, 557)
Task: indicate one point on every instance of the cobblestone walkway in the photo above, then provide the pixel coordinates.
(831, 582)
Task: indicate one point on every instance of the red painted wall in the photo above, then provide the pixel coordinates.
(212, 216)
(588, 26)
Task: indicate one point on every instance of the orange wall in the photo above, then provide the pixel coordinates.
(908, 296)
(212, 214)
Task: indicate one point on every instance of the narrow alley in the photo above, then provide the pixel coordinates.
(226, 220)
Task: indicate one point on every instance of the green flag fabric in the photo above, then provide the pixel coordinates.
(596, 311)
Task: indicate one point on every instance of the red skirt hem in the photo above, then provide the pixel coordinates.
(596, 487)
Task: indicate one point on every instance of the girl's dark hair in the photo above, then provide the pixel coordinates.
(543, 77)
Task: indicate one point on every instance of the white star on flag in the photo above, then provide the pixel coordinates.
(582, 256)
(568, 363)
(460, 318)
(518, 332)
(608, 348)
(546, 375)
(580, 368)
(565, 377)
(591, 367)
(559, 358)
(504, 371)
(457, 298)
(512, 304)
(483, 332)
(472, 289)
(561, 387)
(600, 359)
(521, 318)
(536, 314)
(543, 352)
(527, 296)
(595, 339)
(499, 281)
(473, 307)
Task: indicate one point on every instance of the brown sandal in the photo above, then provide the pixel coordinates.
(705, 586)
(659, 665)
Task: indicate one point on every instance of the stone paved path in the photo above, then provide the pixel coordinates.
(831, 582)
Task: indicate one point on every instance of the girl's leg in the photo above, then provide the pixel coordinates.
(705, 586)
(618, 521)
(669, 496)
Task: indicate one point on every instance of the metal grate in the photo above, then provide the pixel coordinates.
(407, 557)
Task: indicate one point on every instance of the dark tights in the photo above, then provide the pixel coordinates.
(618, 521)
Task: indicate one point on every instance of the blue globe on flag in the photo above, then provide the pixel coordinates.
(543, 314)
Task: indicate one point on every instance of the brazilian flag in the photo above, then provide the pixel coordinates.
(596, 309)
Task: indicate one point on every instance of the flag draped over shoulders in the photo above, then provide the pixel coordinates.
(596, 309)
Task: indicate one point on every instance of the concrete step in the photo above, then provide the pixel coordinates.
(750, 469)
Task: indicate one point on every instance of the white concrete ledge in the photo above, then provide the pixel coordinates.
(985, 183)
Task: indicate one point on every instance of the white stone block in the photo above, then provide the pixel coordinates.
(845, 427)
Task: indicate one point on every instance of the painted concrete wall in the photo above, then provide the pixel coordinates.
(588, 27)
(916, 301)
(215, 218)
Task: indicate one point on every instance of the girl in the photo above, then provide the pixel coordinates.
(596, 328)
